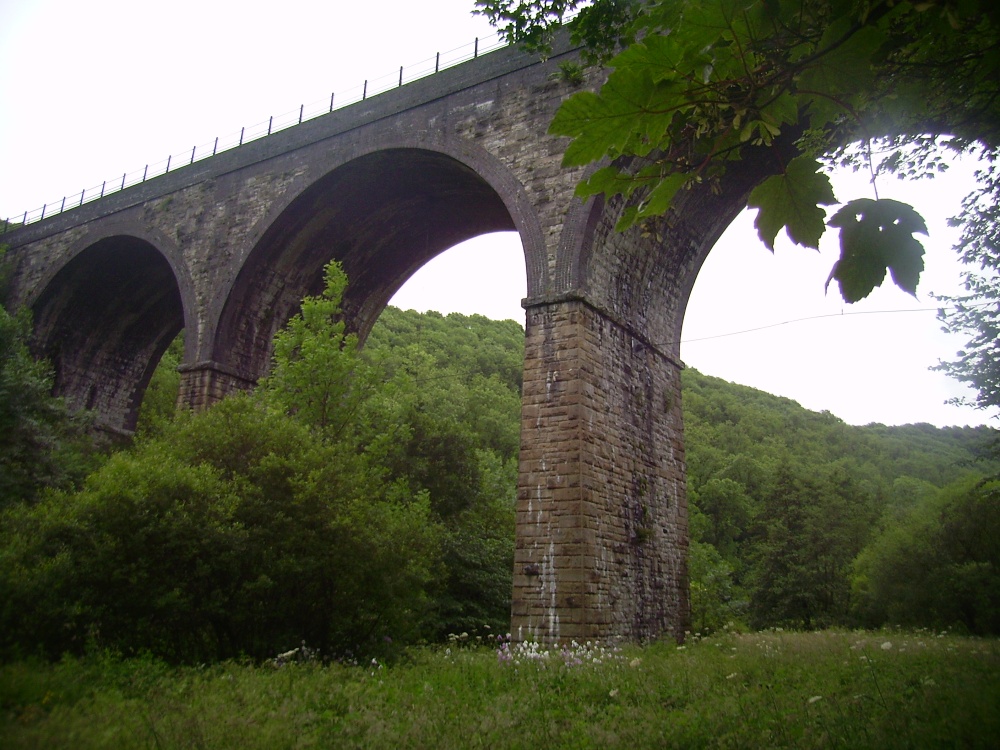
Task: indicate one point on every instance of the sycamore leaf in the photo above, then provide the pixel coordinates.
(629, 104)
(595, 125)
(783, 110)
(876, 236)
(656, 55)
(660, 197)
(628, 218)
(608, 180)
(792, 200)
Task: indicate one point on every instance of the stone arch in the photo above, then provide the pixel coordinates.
(384, 212)
(105, 316)
(644, 276)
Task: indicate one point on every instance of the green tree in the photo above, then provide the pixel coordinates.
(159, 402)
(236, 532)
(936, 565)
(728, 512)
(41, 443)
(245, 529)
(716, 602)
(316, 374)
(976, 314)
(801, 555)
(452, 409)
(695, 84)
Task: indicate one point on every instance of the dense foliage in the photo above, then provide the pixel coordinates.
(449, 421)
(800, 520)
(349, 503)
(237, 532)
(374, 509)
(42, 444)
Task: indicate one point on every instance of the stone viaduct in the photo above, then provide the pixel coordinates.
(225, 248)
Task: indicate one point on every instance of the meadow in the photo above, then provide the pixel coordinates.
(849, 689)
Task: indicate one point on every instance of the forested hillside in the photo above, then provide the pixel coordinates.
(799, 519)
(361, 500)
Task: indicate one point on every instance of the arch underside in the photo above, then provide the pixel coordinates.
(382, 215)
(644, 276)
(104, 321)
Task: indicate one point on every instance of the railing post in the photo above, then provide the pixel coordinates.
(105, 183)
(400, 75)
(82, 193)
(216, 146)
(437, 62)
(168, 164)
(25, 219)
(145, 171)
(63, 206)
(241, 134)
(331, 102)
(193, 149)
(44, 206)
(123, 181)
(475, 49)
(270, 122)
(364, 91)
(302, 108)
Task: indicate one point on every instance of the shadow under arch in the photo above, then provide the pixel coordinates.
(382, 215)
(105, 318)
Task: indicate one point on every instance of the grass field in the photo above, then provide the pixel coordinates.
(774, 689)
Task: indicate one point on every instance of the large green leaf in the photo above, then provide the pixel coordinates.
(792, 200)
(660, 197)
(608, 180)
(629, 107)
(657, 56)
(875, 236)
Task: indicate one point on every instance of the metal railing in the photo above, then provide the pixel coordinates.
(276, 123)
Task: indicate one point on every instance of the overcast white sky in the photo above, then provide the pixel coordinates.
(93, 90)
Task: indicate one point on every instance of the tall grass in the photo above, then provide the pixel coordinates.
(774, 689)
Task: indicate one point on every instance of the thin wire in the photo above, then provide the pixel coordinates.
(455, 376)
(841, 314)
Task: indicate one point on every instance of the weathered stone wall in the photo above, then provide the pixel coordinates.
(602, 516)
(206, 383)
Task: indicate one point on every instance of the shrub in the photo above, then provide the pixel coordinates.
(235, 533)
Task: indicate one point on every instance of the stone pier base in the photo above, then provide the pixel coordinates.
(601, 549)
(207, 383)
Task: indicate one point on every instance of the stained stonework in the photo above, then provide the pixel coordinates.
(602, 515)
(226, 247)
(206, 383)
